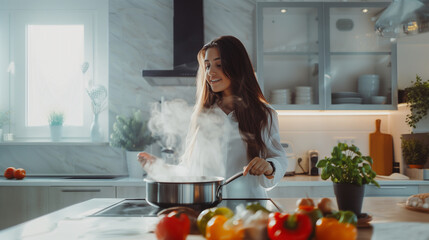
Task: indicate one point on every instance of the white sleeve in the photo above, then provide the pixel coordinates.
(275, 152)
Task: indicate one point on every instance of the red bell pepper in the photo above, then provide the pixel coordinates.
(174, 226)
(289, 226)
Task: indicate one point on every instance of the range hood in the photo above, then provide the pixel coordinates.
(188, 39)
(404, 17)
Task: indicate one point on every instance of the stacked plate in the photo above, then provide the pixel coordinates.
(346, 98)
(304, 95)
(281, 96)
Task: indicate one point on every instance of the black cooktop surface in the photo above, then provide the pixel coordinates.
(140, 208)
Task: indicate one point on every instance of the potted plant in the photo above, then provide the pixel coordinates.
(56, 120)
(131, 134)
(415, 152)
(417, 97)
(4, 118)
(350, 172)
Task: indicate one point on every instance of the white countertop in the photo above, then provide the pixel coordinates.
(389, 219)
(297, 180)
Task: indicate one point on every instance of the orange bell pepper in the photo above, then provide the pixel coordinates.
(219, 228)
(331, 228)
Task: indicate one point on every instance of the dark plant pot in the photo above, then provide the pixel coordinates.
(349, 197)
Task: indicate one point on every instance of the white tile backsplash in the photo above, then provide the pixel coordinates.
(321, 132)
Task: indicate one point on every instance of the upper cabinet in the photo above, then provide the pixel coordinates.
(325, 56)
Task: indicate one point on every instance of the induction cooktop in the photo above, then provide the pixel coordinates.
(140, 208)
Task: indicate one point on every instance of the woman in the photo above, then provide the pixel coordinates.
(227, 87)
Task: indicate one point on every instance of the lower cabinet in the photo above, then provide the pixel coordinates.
(391, 190)
(328, 191)
(60, 197)
(301, 192)
(131, 192)
(19, 204)
(424, 189)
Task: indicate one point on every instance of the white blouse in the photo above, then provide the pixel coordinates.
(225, 154)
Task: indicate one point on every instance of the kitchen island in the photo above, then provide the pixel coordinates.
(390, 221)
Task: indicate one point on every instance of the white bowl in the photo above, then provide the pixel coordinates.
(378, 99)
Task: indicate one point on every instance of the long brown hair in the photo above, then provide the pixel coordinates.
(250, 106)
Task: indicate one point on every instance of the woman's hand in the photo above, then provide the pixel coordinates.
(258, 166)
(146, 159)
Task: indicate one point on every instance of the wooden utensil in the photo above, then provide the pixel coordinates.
(381, 150)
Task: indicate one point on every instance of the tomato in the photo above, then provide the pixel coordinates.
(221, 228)
(289, 226)
(330, 228)
(174, 226)
(305, 203)
(9, 172)
(207, 214)
(325, 205)
(19, 173)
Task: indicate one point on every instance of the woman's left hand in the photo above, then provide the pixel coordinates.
(258, 166)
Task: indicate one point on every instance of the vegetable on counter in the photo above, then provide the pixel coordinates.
(344, 217)
(330, 228)
(12, 172)
(209, 213)
(256, 206)
(191, 213)
(289, 226)
(174, 226)
(221, 228)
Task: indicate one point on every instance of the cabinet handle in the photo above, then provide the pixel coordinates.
(80, 190)
(392, 187)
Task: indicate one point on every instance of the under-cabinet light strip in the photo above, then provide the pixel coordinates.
(330, 113)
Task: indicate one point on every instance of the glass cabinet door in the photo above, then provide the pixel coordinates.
(358, 62)
(325, 56)
(289, 54)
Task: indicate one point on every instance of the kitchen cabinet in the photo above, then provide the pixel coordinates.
(60, 197)
(19, 204)
(300, 192)
(131, 192)
(318, 51)
(385, 190)
(423, 189)
(391, 190)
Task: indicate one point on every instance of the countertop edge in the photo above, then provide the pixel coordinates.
(135, 182)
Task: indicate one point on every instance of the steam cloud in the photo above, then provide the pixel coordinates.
(199, 154)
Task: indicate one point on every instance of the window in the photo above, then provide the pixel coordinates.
(47, 46)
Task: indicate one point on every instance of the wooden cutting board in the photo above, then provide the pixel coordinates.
(381, 150)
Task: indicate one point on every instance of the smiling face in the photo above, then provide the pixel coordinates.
(215, 76)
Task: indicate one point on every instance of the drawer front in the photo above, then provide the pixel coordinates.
(391, 190)
(60, 197)
(131, 192)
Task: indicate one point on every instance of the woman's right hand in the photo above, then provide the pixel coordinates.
(146, 159)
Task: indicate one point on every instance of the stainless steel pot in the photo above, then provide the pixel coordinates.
(194, 192)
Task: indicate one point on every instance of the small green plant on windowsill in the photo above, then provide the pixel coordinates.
(417, 96)
(347, 165)
(131, 133)
(56, 118)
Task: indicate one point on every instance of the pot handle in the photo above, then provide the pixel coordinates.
(232, 178)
